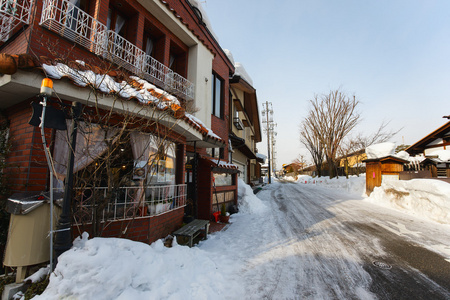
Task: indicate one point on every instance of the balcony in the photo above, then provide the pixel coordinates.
(127, 202)
(69, 21)
(12, 14)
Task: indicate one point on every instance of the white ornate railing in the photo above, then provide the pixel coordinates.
(12, 14)
(127, 202)
(66, 19)
(180, 85)
(71, 22)
(154, 71)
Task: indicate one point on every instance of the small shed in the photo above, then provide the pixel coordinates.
(382, 169)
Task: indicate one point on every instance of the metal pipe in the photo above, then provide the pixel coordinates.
(63, 239)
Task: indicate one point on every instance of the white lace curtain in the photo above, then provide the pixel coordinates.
(90, 145)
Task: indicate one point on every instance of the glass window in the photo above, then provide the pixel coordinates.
(216, 152)
(217, 96)
(223, 179)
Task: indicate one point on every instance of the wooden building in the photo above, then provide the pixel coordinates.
(430, 146)
(382, 169)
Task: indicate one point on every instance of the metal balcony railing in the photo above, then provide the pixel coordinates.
(12, 14)
(127, 202)
(66, 19)
(73, 23)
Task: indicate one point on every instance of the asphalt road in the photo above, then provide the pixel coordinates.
(329, 246)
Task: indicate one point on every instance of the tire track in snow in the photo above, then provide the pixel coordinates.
(329, 254)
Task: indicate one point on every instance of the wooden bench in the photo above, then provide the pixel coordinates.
(192, 230)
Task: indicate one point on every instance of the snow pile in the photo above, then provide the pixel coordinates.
(39, 275)
(113, 268)
(248, 202)
(354, 184)
(427, 198)
(380, 150)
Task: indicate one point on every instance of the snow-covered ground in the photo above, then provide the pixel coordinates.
(255, 257)
(425, 198)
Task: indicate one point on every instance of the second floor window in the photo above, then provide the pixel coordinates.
(116, 22)
(217, 96)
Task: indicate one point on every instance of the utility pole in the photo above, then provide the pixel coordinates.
(269, 130)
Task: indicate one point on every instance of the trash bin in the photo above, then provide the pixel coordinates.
(29, 227)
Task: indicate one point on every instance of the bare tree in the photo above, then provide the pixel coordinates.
(355, 145)
(312, 144)
(299, 163)
(330, 119)
(107, 187)
(381, 135)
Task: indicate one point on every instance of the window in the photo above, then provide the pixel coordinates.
(116, 22)
(149, 45)
(178, 58)
(216, 152)
(223, 179)
(217, 96)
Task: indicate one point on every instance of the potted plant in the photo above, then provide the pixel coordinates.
(224, 215)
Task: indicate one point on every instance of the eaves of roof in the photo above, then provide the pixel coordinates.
(219, 165)
(420, 145)
(133, 89)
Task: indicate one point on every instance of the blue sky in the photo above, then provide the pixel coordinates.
(394, 56)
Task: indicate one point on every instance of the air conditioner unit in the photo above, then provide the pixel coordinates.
(238, 123)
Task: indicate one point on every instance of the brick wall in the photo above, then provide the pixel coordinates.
(146, 230)
(27, 167)
(218, 125)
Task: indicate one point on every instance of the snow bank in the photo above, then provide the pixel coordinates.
(380, 150)
(113, 268)
(248, 202)
(426, 198)
(353, 185)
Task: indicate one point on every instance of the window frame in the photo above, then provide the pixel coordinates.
(217, 101)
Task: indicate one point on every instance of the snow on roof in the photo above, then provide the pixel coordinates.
(202, 125)
(262, 156)
(138, 88)
(146, 93)
(229, 55)
(443, 155)
(240, 70)
(403, 154)
(380, 150)
(224, 164)
(205, 18)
